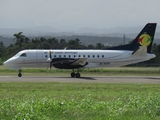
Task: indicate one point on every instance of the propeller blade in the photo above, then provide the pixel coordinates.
(50, 65)
(50, 56)
(50, 59)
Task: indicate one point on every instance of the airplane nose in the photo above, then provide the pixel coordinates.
(5, 63)
(8, 62)
(11, 63)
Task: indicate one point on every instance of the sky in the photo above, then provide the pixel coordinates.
(77, 14)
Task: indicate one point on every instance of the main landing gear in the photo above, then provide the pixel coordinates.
(20, 74)
(77, 75)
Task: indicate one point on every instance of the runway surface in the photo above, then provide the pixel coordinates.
(101, 79)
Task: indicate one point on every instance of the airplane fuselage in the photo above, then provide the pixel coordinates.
(95, 58)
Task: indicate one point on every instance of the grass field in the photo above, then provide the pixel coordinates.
(115, 71)
(80, 101)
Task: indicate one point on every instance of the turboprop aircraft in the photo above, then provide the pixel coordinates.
(139, 50)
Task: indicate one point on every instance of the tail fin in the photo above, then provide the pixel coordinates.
(144, 38)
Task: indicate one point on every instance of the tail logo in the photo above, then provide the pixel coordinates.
(144, 40)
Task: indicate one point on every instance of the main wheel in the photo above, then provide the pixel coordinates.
(78, 75)
(73, 74)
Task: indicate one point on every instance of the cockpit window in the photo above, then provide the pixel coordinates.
(23, 55)
(17, 55)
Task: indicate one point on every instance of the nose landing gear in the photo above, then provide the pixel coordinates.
(20, 74)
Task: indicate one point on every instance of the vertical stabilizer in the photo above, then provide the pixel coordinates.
(144, 38)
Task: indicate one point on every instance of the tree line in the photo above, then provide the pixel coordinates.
(22, 42)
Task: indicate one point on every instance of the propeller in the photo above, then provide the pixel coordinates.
(50, 59)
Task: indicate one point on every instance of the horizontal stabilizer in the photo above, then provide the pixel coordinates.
(141, 51)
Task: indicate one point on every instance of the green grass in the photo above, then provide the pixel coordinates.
(115, 71)
(80, 101)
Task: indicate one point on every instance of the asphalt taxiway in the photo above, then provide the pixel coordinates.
(95, 79)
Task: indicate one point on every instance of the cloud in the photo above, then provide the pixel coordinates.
(74, 14)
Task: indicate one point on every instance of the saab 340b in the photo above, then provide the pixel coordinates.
(137, 51)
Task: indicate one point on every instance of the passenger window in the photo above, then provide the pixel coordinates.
(102, 56)
(88, 56)
(23, 55)
(98, 56)
(55, 56)
(69, 56)
(79, 55)
(59, 55)
(84, 56)
(64, 55)
(74, 55)
(93, 56)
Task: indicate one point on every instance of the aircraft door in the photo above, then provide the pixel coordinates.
(39, 57)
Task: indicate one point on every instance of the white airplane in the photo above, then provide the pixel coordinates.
(139, 50)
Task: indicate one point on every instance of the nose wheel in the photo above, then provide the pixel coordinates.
(20, 74)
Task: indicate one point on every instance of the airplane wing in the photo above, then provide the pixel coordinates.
(69, 63)
(80, 61)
